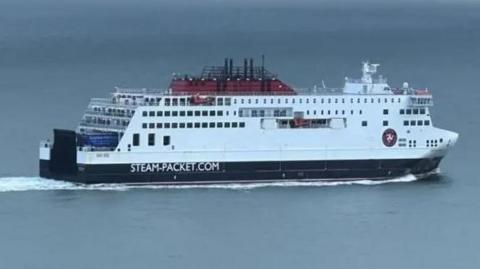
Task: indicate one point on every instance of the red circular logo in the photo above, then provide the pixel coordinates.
(389, 137)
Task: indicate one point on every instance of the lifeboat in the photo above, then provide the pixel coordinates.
(299, 123)
(201, 100)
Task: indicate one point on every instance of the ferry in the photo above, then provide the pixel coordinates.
(242, 124)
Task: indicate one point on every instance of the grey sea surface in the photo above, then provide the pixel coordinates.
(55, 56)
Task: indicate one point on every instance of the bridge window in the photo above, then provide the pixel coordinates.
(385, 112)
(167, 113)
(144, 113)
(406, 122)
(174, 102)
(182, 125)
(413, 123)
(159, 125)
(205, 113)
(415, 111)
(167, 125)
(219, 124)
(204, 124)
(174, 125)
(174, 113)
(197, 113)
(196, 124)
(151, 139)
(159, 113)
(385, 123)
(219, 112)
(242, 124)
(427, 122)
(364, 123)
(234, 124)
(189, 113)
(419, 123)
(144, 125)
(211, 125)
(402, 111)
(151, 113)
(189, 125)
(182, 113)
(408, 111)
(212, 112)
(227, 124)
(422, 110)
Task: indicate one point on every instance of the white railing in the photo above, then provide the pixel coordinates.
(420, 101)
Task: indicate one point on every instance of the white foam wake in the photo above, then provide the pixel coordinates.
(8, 184)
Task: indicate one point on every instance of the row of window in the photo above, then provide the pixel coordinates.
(247, 112)
(416, 123)
(336, 112)
(151, 140)
(266, 112)
(322, 100)
(414, 111)
(220, 101)
(113, 111)
(188, 113)
(181, 125)
(433, 143)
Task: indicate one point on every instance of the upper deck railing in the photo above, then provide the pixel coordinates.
(298, 91)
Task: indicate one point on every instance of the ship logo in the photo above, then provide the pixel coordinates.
(389, 137)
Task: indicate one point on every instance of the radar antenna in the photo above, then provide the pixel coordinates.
(368, 70)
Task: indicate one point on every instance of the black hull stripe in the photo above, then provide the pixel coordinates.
(249, 172)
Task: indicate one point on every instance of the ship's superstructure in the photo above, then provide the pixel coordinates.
(243, 124)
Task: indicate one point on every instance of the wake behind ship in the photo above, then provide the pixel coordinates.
(239, 124)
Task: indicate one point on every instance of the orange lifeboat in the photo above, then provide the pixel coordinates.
(201, 100)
